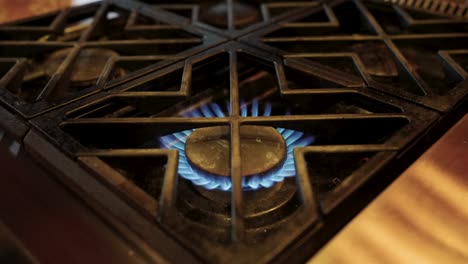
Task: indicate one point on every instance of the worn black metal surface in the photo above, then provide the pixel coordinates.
(232, 18)
(398, 50)
(358, 133)
(40, 57)
(372, 83)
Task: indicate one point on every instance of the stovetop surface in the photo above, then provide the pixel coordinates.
(245, 131)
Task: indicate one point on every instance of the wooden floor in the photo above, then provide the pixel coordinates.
(421, 218)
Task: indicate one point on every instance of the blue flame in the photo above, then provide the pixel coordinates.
(177, 141)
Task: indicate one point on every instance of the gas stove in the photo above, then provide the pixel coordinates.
(231, 131)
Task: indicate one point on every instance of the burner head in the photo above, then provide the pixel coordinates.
(244, 14)
(263, 149)
(264, 208)
(87, 67)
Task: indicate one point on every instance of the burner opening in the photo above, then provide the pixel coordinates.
(262, 149)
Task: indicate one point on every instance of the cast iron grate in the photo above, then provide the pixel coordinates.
(339, 90)
(399, 50)
(356, 133)
(52, 59)
(232, 18)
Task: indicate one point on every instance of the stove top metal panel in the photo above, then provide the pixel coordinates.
(350, 95)
(357, 134)
(44, 61)
(400, 50)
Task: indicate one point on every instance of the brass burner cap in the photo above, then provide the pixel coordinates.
(262, 149)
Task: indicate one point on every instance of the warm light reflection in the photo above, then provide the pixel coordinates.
(13, 10)
(83, 2)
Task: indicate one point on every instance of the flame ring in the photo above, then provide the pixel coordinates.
(177, 141)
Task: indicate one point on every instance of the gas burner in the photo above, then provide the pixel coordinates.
(263, 149)
(267, 153)
(87, 67)
(244, 14)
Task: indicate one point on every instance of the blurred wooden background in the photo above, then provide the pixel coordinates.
(16, 9)
(421, 218)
